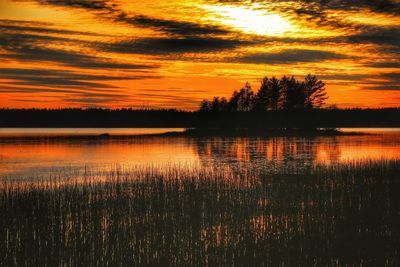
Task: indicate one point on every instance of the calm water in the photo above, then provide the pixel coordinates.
(201, 201)
(33, 157)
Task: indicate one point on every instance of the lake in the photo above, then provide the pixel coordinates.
(26, 157)
(179, 201)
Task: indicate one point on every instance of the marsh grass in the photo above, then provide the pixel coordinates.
(344, 214)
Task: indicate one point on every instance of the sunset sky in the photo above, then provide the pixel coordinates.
(172, 54)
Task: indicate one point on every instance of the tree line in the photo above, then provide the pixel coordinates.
(385, 117)
(286, 93)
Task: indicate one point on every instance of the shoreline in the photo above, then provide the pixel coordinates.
(191, 133)
(261, 133)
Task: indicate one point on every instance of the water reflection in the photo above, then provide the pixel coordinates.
(297, 151)
(44, 156)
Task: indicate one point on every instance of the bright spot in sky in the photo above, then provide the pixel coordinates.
(249, 20)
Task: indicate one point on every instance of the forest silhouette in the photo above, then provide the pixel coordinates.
(279, 104)
(286, 93)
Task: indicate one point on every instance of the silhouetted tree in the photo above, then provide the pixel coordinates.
(274, 93)
(261, 100)
(245, 98)
(269, 95)
(205, 106)
(234, 101)
(215, 105)
(314, 91)
(223, 104)
(292, 93)
(287, 93)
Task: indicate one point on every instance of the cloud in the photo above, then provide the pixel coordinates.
(325, 12)
(114, 13)
(38, 27)
(71, 95)
(316, 7)
(159, 46)
(395, 76)
(73, 91)
(388, 65)
(379, 81)
(377, 35)
(384, 86)
(82, 88)
(73, 86)
(383, 6)
(59, 78)
(289, 56)
(171, 26)
(88, 101)
(86, 4)
(29, 47)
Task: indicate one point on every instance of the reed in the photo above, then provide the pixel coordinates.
(344, 214)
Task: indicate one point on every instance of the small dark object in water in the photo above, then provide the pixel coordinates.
(104, 135)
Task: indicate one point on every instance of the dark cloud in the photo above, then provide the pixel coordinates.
(171, 26)
(383, 6)
(69, 58)
(394, 76)
(377, 35)
(37, 27)
(159, 46)
(345, 76)
(29, 47)
(59, 81)
(75, 92)
(93, 100)
(289, 56)
(114, 13)
(394, 65)
(50, 72)
(29, 100)
(86, 4)
(60, 78)
(78, 96)
(384, 86)
(316, 7)
(379, 81)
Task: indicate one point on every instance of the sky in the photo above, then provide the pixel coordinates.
(173, 54)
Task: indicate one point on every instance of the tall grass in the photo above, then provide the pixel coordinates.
(337, 215)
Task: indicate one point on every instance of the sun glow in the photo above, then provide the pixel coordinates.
(250, 20)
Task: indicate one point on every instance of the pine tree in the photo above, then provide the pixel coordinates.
(274, 93)
(261, 100)
(293, 96)
(315, 93)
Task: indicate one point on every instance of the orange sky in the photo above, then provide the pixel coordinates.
(120, 53)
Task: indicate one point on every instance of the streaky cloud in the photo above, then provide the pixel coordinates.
(171, 26)
(159, 46)
(387, 65)
(86, 4)
(38, 27)
(61, 78)
(30, 48)
(289, 56)
(114, 13)
(377, 35)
